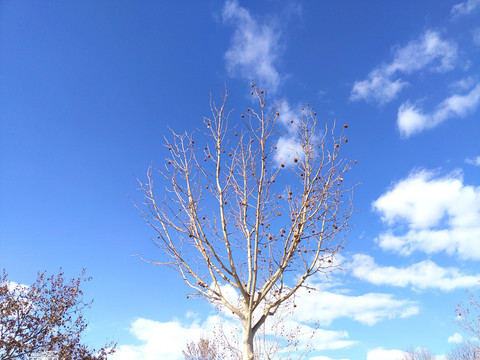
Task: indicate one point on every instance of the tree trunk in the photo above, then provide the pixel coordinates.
(247, 344)
(247, 339)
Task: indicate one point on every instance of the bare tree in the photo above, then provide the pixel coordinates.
(46, 316)
(233, 215)
(469, 316)
(203, 349)
(418, 353)
(465, 351)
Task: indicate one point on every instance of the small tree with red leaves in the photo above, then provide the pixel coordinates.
(468, 315)
(46, 316)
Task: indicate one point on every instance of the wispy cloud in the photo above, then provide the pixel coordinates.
(473, 161)
(441, 214)
(324, 307)
(255, 47)
(476, 36)
(429, 51)
(423, 275)
(465, 7)
(411, 119)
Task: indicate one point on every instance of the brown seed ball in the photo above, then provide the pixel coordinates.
(346, 140)
(345, 126)
(295, 160)
(282, 165)
(243, 115)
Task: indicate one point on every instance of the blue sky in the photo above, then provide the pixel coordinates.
(88, 89)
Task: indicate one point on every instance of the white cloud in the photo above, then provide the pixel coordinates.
(423, 275)
(161, 340)
(473, 161)
(323, 358)
(288, 148)
(165, 340)
(430, 51)
(455, 338)
(441, 215)
(465, 7)
(381, 354)
(325, 307)
(411, 119)
(255, 47)
(287, 145)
